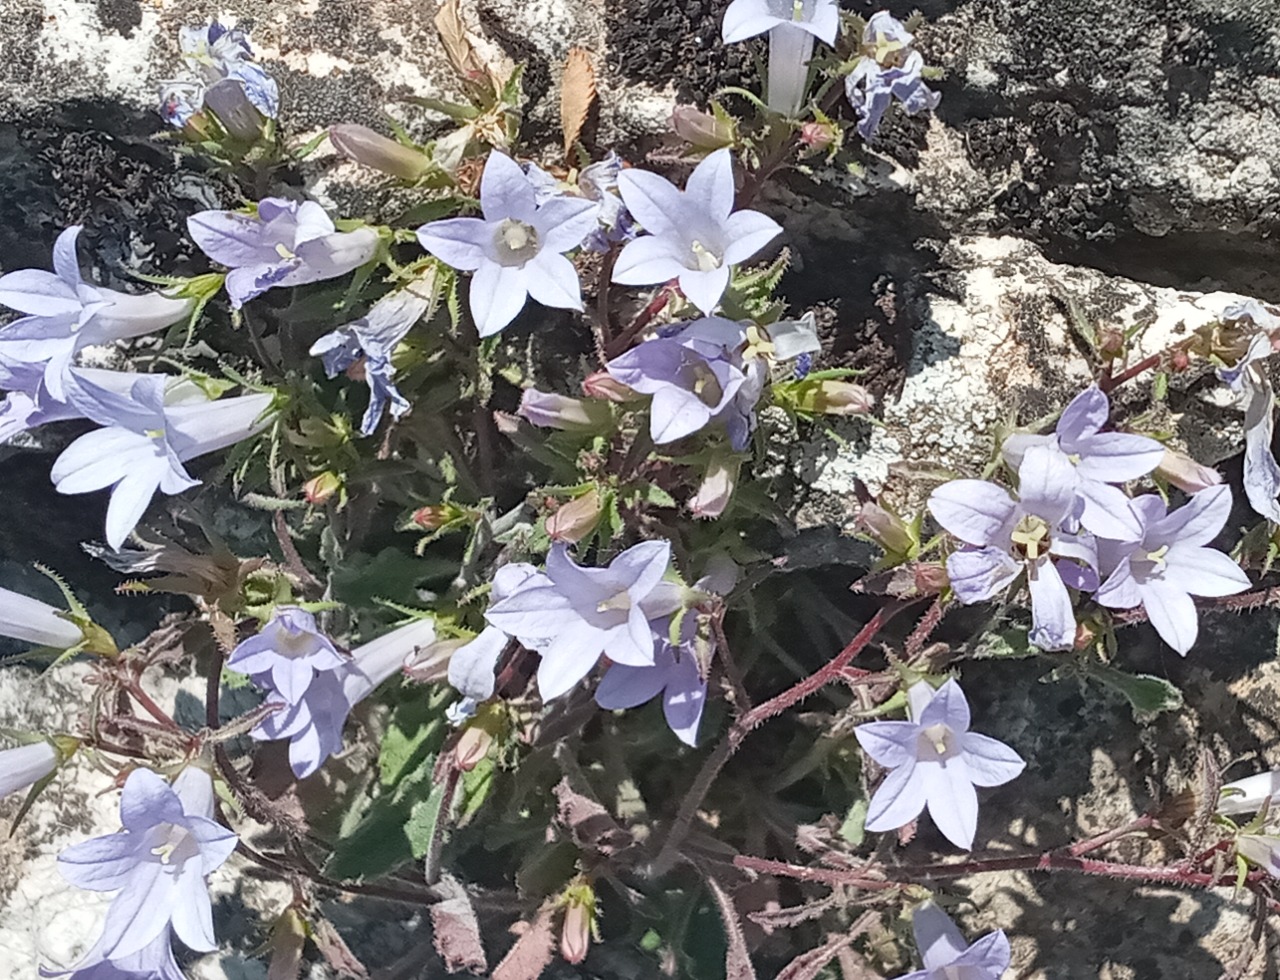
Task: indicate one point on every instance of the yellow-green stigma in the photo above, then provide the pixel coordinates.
(707, 260)
(1031, 537)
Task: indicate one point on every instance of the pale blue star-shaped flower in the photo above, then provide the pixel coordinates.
(143, 444)
(285, 243)
(694, 235)
(1008, 537)
(947, 956)
(792, 26)
(290, 650)
(1099, 459)
(157, 865)
(517, 249)
(65, 314)
(1171, 562)
(935, 763)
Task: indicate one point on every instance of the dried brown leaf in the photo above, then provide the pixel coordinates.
(457, 45)
(577, 95)
(737, 961)
(533, 951)
(336, 952)
(456, 929)
(588, 822)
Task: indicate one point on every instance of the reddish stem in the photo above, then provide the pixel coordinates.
(150, 707)
(655, 306)
(1109, 382)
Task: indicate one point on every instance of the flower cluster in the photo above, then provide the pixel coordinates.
(1070, 526)
(314, 685)
(224, 79)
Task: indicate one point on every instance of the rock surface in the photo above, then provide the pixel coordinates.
(1116, 153)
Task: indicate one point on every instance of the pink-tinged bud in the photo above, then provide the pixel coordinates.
(473, 745)
(603, 386)
(364, 146)
(320, 489)
(431, 518)
(1185, 473)
(716, 489)
(887, 529)
(549, 411)
(576, 519)
(843, 398)
(931, 578)
(704, 130)
(1179, 361)
(1111, 343)
(818, 136)
(575, 933)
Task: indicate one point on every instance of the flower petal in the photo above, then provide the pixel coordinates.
(192, 912)
(38, 293)
(647, 261)
(505, 190)
(563, 222)
(553, 281)
(624, 686)
(990, 761)
(747, 232)
(1203, 572)
(704, 289)
(948, 707)
(710, 187)
(1107, 512)
(653, 201)
(952, 800)
(1116, 457)
(471, 668)
(497, 296)
(231, 239)
(1172, 613)
(1047, 484)
(462, 243)
(939, 941)
(570, 657)
(746, 18)
(101, 864)
(890, 743)
(1053, 620)
(975, 511)
(1084, 417)
(978, 574)
(1198, 521)
(898, 800)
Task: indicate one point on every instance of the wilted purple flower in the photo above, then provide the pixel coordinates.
(936, 762)
(792, 26)
(283, 244)
(32, 621)
(143, 445)
(948, 957)
(694, 377)
(572, 615)
(158, 865)
(887, 70)
(1170, 564)
(181, 100)
(516, 250)
(598, 183)
(218, 54)
(1098, 458)
(289, 650)
(1008, 537)
(26, 765)
(374, 337)
(313, 722)
(693, 235)
(65, 314)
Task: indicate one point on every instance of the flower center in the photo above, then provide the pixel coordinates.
(707, 260)
(707, 386)
(516, 242)
(284, 252)
(1031, 537)
(758, 344)
(797, 10)
(1150, 562)
(887, 53)
(937, 743)
(620, 602)
(176, 845)
(294, 643)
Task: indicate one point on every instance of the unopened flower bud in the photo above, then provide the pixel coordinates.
(716, 489)
(320, 489)
(818, 136)
(931, 578)
(1185, 473)
(576, 519)
(473, 745)
(579, 915)
(1179, 361)
(431, 518)
(364, 146)
(1111, 343)
(1250, 794)
(843, 398)
(887, 529)
(550, 411)
(239, 117)
(430, 664)
(703, 129)
(607, 388)
(26, 765)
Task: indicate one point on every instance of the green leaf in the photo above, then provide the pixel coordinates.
(416, 730)
(420, 829)
(1147, 694)
(1010, 643)
(854, 829)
